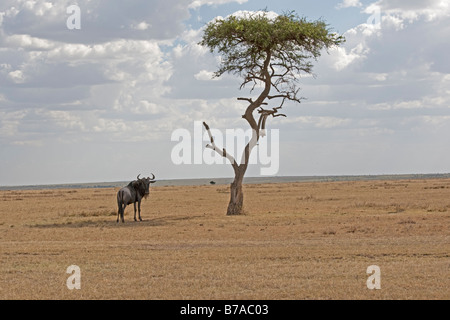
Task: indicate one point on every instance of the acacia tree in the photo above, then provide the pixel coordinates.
(269, 54)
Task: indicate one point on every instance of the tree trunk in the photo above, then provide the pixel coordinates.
(235, 206)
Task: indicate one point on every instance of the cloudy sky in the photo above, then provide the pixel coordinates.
(100, 103)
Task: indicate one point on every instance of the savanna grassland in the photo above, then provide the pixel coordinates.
(310, 240)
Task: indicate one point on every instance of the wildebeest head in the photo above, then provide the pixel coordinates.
(143, 185)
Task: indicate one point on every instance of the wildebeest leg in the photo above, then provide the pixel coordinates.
(139, 207)
(119, 212)
(123, 212)
(135, 211)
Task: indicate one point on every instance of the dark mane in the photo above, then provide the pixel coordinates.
(141, 188)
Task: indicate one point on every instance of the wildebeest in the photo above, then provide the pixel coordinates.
(132, 193)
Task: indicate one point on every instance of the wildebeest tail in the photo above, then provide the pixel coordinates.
(120, 201)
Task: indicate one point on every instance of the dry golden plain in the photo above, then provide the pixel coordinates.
(309, 240)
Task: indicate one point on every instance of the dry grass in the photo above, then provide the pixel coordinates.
(296, 241)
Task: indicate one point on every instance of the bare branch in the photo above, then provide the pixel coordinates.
(246, 99)
(251, 101)
(285, 96)
(264, 113)
(273, 70)
(222, 152)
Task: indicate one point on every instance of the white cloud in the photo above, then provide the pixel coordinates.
(113, 50)
(27, 42)
(437, 121)
(142, 26)
(395, 22)
(246, 14)
(146, 107)
(28, 143)
(102, 21)
(321, 122)
(205, 75)
(348, 4)
(41, 8)
(110, 126)
(412, 10)
(379, 76)
(17, 76)
(342, 58)
(198, 3)
(66, 119)
(9, 123)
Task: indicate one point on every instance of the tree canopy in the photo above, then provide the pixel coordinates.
(262, 49)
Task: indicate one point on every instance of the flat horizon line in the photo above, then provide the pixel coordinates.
(222, 180)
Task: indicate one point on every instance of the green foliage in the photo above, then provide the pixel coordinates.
(255, 43)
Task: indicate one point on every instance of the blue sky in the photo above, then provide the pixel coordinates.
(101, 103)
(341, 20)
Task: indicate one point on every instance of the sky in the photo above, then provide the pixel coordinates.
(103, 102)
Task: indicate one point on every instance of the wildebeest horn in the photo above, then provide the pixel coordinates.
(153, 177)
(138, 176)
